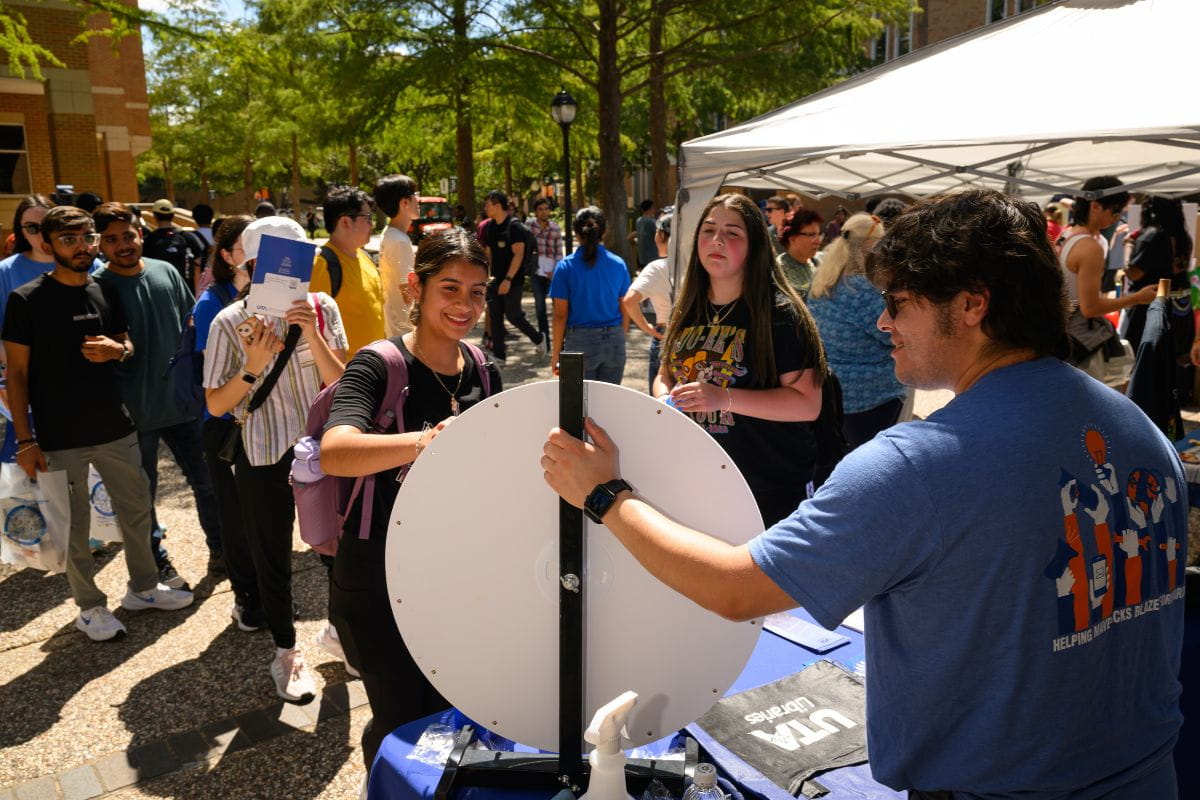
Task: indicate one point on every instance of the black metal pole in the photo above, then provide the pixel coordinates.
(570, 590)
(566, 129)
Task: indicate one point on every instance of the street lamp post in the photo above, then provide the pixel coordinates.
(563, 109)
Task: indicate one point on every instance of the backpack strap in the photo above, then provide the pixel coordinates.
(316, 304)
(335, 270)
(485, 377)
(390, 410)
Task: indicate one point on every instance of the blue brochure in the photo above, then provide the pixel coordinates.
(282, 272)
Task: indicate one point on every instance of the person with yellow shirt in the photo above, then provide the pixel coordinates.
(354, 280)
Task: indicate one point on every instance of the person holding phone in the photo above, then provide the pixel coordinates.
(268, 371)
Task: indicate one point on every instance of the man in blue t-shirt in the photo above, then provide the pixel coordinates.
(1019, 553)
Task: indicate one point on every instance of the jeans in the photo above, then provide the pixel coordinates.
(603, 352)
(235, 547)
(186, 443)
(268, 525)
(541, 289)
(120, 468)
(508, 306)
(655, 362)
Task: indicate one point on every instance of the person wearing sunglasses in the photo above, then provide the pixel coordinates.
(979, 541)
(64, 334)
(28, 260)
(845, 306)
(776, 211)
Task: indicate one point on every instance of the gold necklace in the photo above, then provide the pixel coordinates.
(717, 318)
(453, 394)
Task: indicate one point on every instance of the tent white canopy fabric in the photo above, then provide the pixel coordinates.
(1033, 105)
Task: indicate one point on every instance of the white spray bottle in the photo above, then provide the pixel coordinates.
(607, 781)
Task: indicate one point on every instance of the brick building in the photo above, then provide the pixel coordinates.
(941, 19)
(84, 124)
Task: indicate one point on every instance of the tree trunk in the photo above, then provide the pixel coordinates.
(295, 176)
(168, 179)
(659, 166)
(580, 194)
(464, 144)
(354, 165)
(248, 184)
(204, 185)
(508, 190)
(612, 172)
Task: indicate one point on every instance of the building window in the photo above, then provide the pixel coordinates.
(14, 161)
(878, 48)
(1029, 5)
(996, 10)
(903, 34)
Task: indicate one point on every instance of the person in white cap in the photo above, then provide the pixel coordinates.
(267, 371)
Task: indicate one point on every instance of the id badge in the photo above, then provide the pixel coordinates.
(1099, 575)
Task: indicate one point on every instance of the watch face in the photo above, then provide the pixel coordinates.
(597, 503)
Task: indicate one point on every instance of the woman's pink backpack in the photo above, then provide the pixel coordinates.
(323, 501)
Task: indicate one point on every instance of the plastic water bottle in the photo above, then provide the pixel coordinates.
(704, 784)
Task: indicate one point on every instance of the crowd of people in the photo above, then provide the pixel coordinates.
(791, 340)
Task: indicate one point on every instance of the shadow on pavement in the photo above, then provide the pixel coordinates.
(32, 702)
(209, 708)
(29, 593)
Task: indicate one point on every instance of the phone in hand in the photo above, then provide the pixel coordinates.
(249, 329)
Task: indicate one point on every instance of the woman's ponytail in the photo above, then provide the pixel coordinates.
(589, 228)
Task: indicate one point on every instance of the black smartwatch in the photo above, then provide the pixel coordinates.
(602, 498)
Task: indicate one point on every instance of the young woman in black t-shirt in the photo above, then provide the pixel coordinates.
(742, 356)
(448, 285)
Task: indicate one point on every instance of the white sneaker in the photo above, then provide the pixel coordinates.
(328, 641)
(540, 347)
(99, 624)
(160, 598)
(292, 681)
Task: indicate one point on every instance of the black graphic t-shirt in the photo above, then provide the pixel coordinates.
(776, 458)
(75, 402)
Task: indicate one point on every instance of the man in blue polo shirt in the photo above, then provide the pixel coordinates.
(1019, 553)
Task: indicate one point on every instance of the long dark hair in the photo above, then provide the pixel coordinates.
(439, 249)
(1167, 215)
(590, 226)
(764, 288)
(21, 244)
(225, 237)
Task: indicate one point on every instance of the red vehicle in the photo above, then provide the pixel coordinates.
(435, 215)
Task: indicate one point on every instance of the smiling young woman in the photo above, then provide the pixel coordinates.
(445, 377)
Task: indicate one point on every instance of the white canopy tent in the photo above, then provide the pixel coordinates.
(1033, 105)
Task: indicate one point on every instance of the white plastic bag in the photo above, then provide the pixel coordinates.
(35, 518)
(104, 519)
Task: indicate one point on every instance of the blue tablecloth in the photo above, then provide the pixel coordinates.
(395, 776)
